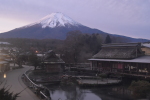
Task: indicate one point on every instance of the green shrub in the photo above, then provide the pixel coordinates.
(140, 89)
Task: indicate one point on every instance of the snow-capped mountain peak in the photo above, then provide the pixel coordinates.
(56, 20)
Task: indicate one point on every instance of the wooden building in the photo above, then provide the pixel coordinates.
(123, 58)
(53, 63)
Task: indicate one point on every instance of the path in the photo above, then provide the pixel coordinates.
(98, 81)
(14, 82)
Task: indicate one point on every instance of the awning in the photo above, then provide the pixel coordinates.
(3, 62)
(142, 59)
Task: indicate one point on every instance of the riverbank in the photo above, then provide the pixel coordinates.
(40, 91)
(98, 82)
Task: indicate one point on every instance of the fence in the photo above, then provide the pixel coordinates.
(39, 90)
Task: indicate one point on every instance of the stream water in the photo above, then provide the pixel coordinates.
(95, 93)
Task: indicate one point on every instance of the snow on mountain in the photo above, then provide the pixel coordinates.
(56, 20)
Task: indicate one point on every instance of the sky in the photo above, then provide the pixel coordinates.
(123, 17)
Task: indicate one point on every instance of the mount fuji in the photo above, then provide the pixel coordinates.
(55, 26)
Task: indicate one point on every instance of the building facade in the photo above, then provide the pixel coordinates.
(124, 58)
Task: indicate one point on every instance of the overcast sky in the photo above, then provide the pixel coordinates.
(123, 17)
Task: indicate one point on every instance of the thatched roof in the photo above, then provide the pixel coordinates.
(50, 57)
(119, 51)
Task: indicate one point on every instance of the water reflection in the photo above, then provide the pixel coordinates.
(111, 93)
(72, 93)
(95, 93)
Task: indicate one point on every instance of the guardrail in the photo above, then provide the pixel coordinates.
(46, 97)
(31, 81)
(37, 88)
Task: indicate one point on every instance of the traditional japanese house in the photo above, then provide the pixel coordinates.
(123, 58)
(53, 63)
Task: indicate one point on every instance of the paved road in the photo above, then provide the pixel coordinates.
(14, 82)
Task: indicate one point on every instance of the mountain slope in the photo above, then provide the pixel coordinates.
(56, 20)
(36, 31)
(56, 26)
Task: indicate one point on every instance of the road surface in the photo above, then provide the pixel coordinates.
(14, 82)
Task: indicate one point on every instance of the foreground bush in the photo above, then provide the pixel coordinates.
(6, 95)
(140, 89)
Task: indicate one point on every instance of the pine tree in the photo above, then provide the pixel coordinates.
(6, 95)
(108, 39)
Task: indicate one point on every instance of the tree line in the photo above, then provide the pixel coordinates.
(76, 48)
